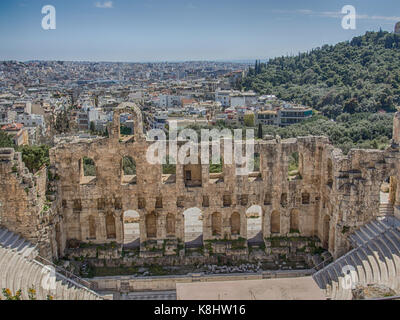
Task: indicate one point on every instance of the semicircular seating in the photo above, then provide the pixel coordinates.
(375, 259)
(20, 270)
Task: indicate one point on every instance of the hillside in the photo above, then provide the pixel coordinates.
(361, 75)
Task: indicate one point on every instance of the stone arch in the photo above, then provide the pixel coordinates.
(275, 222)
(170, 225)
(134, 110)
(193, 227)
(294, 221)
(92, 227)
(151, 225)
(128, 170)
(254, 222)
(216, 224)
(111, 230)
(235, 223)
(131, 224)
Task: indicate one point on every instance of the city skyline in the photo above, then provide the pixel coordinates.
(176, 30)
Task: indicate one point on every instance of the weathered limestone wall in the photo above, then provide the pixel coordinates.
(22, 198)
(333, 194)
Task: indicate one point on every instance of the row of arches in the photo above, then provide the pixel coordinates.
(193, 225)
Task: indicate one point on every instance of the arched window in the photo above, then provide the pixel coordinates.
(170, 224)
(87, 169)
(330, 173)
(275, 222)
(110, 226)
(128, 167)
(294, 221)
(305, 198)
(216, 224)
(235, 223)
(92, 227)
(151, 225)
(168, 170)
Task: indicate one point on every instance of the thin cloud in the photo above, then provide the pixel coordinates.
(104, 5)
(338, 14)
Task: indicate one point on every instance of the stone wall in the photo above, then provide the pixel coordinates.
(24, 209)
(333, 194)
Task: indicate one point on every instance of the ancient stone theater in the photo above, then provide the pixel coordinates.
(331, 197)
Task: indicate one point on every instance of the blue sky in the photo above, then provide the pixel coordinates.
(172, 30)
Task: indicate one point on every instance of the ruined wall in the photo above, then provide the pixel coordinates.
(331, 195)
(335, 193)
(24, 209)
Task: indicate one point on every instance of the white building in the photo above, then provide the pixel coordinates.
(30, 120)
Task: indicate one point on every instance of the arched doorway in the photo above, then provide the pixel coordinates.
(131, 229)
(254, 225)
(193, 228)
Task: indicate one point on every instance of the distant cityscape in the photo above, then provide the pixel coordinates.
(82, 96)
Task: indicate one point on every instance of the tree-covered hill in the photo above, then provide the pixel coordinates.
(361, 75)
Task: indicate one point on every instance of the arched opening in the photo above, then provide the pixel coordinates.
(284, 199)
(92, 227)
(254, 166)
(387, 196)
(87, 168)
(305, 198)
(126, 127)
(216, 171)
(151, 225)
(168, 170)
(170, 225)
(294, 221)
(275, 222)
(131, 229)
(216, 224)
(254, 224)
(293, 167)
(325, 231)
(193, 175)
(193, 228)
(110, 226)
(329, 173)
(128, 175)
(235, 223)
